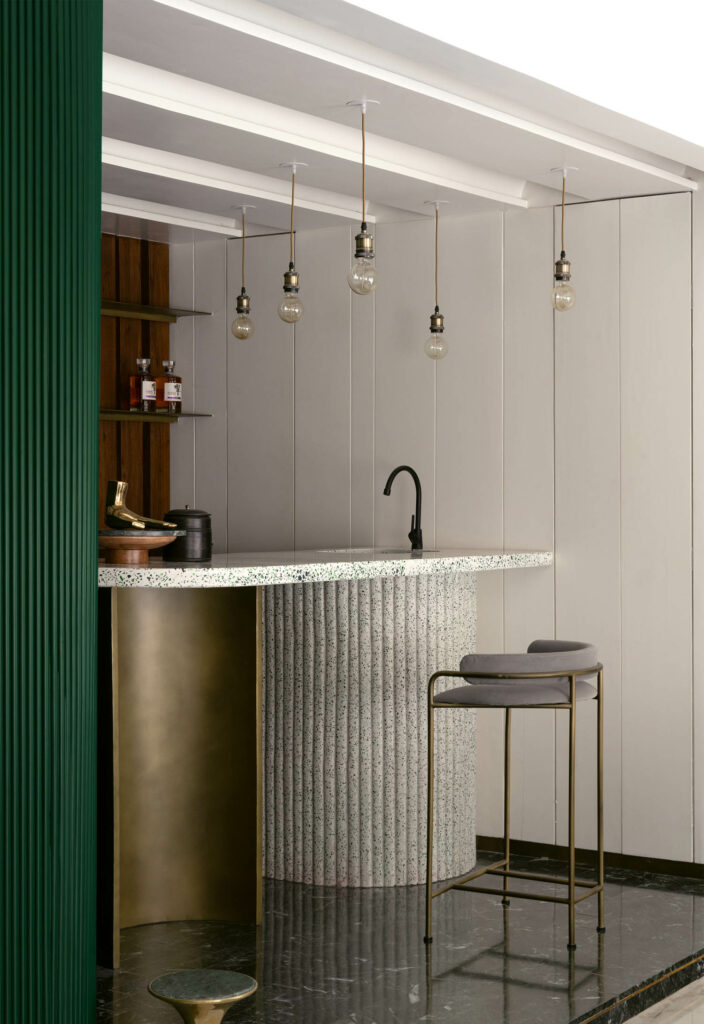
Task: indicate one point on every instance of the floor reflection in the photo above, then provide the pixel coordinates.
(338, 955)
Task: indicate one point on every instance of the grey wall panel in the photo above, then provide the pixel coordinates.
(323, 385)
(528, 498)
(363, 417)
(698, 519)
(260, 418)
(405, 413)
(656, 533)
(469, 440)
(588, 501)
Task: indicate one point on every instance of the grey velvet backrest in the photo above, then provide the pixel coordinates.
(542, 656)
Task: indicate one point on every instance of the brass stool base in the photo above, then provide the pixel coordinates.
(502, 868)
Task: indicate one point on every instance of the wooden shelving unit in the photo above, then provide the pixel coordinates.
(137, 311)
(147, 417)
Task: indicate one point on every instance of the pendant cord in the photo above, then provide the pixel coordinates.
(564, 181)
(437, 228)
(364, 168)
(293, 196)
(244, 231)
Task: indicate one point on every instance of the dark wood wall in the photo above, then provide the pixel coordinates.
(133, 270)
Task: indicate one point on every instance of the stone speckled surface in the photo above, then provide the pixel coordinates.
(345, 683)
(356, 956)
(257, 568)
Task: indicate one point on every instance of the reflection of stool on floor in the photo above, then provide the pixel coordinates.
(202, 997)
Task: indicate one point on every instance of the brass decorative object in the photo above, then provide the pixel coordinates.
(119, 517)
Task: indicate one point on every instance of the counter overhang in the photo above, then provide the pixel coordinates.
(267, 568)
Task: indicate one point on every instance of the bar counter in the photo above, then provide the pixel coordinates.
(264, 713)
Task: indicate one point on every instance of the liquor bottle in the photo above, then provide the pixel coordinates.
(142, 389)
(168, 389)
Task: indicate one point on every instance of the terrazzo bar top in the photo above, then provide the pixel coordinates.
(265, 568)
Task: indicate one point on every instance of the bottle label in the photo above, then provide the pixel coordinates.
(172, 391)
(148, 390)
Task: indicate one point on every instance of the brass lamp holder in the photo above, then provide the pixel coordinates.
(364, 244)
(437, 321)
(562, 268)
(291, 280)
(243, 302)
(364, 241)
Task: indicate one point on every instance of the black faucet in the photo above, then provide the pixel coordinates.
(416, 534)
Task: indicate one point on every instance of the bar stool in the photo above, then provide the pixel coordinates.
(202, 997)
(552, 674)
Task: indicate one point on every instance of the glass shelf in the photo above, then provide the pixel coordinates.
(136, 311)
(148, 417)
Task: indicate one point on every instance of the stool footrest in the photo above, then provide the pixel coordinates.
(553, 879)
(593, 889)
(474, 873)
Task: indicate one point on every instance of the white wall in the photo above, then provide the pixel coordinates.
(571, 432)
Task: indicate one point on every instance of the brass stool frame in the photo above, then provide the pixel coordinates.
(503, 867)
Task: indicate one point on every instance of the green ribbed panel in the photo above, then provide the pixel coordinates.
(49, 350)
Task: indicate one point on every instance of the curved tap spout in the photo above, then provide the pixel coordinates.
(416, 534)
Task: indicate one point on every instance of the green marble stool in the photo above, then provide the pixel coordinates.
(202, 997)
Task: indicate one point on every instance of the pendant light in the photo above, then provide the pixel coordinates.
(563, 294)
(436, 345)
(362, 275)
(291, 307)
(243, 325)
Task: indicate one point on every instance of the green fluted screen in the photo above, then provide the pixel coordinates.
(50, 285)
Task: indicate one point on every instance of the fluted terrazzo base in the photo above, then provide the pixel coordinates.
(345, 676)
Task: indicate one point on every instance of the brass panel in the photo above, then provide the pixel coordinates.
(189, 674)
(108, 845)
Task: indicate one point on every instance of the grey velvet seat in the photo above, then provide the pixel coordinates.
(552, 674)
(541, 656)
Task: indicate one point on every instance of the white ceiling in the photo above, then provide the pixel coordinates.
(203, 101)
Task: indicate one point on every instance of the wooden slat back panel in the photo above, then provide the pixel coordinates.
(133, 270)
(109, 392)
(158, 435)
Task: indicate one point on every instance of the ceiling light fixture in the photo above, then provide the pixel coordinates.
(362, 275)
(243, 325)
(436, 346)
(291, 307)
(563, 293)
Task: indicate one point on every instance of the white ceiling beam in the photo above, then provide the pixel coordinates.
(164, 90)
(177, 167)
(141, 209)
(250, 18)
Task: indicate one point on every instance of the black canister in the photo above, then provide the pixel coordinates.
(197, 545)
